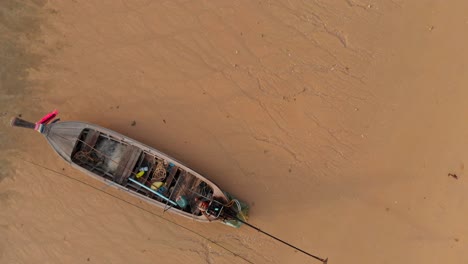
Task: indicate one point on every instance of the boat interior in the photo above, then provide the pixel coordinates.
(140, 171)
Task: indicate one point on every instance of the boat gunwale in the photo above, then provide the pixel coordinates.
(49, 134)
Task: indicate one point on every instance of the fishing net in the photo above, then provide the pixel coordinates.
(241, 208)
(160, 171)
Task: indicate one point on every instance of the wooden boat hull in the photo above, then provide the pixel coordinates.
(70, 140)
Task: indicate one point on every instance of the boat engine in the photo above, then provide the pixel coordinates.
(215, 209)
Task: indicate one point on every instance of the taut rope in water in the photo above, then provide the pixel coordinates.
(280, 240)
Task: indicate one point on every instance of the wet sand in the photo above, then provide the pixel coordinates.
(339, 123)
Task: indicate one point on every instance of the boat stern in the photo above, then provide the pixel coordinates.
(239, 212)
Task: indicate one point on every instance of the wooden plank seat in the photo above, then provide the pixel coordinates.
(170, 178)
(85, 152)
(90, 140)
(126, 164)
(151, 163)
(185, 186)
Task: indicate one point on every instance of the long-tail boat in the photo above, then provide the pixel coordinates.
(140, 170)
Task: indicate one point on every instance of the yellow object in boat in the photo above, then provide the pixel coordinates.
(139, 174)
(156, 185)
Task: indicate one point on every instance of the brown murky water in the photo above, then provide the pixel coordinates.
(338, 123)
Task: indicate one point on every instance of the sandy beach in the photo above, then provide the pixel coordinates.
(339, 122)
